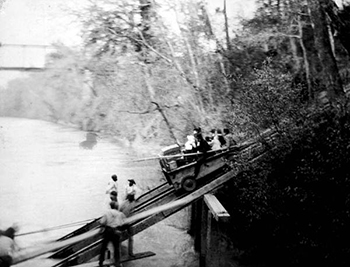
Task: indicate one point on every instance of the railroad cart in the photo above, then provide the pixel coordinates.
(183, 171)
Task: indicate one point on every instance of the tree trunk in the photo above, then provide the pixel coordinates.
(224, 69)
(332, 86)
(151, 92)
(306, 60)
(341, 26)
(167, 123)
(190, 53)
(294, 48)
(228, 44)
(196, 100)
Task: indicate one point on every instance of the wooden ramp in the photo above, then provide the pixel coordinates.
(145, 219)
(24, 255)
(136, 256)
(161, 194)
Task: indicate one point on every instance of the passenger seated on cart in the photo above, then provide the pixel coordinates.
(214, 143)
(190, 144)
(189, 148)
(201, 144)
(196, 131)
(220, 138)
(230, 141)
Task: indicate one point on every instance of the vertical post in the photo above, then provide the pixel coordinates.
(203, 251)
(192, 215)
(215, 215)
(196, 223)
(210, 241)
(130, 242)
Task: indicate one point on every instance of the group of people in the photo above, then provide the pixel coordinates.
(112, 189)
(115, 216)
(214, 141)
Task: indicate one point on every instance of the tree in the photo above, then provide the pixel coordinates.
(332, 84)
(137, 31)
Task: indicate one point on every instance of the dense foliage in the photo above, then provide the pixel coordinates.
(291, 207)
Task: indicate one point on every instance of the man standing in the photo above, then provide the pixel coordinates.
(112, 185)
(113, 197)
(130, 190)
(110, 221)
(127, 207)
(7, 246)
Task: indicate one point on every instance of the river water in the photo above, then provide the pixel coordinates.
(52, 175)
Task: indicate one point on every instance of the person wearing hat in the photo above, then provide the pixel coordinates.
(130, 190)
(127, 207)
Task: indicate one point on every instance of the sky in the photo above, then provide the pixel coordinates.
(37, 22)
(43, 22)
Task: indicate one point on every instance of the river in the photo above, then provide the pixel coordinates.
(50, 175)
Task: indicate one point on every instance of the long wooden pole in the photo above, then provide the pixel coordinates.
(27, 254)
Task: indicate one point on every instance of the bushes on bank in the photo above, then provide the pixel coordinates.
(292, 208)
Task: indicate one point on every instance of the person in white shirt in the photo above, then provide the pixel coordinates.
(214, 143)
(130, 190)
(112, 219)
(190, 144)
(112, 185)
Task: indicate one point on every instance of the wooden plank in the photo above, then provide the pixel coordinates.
(183, 201)
(27, 254)
(69, 250)
(82, 256)
(216, 208)
(136, 256)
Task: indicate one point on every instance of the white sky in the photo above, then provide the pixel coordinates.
(43, 22)
(37, 22)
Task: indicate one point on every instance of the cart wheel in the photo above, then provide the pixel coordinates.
(189, 184)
